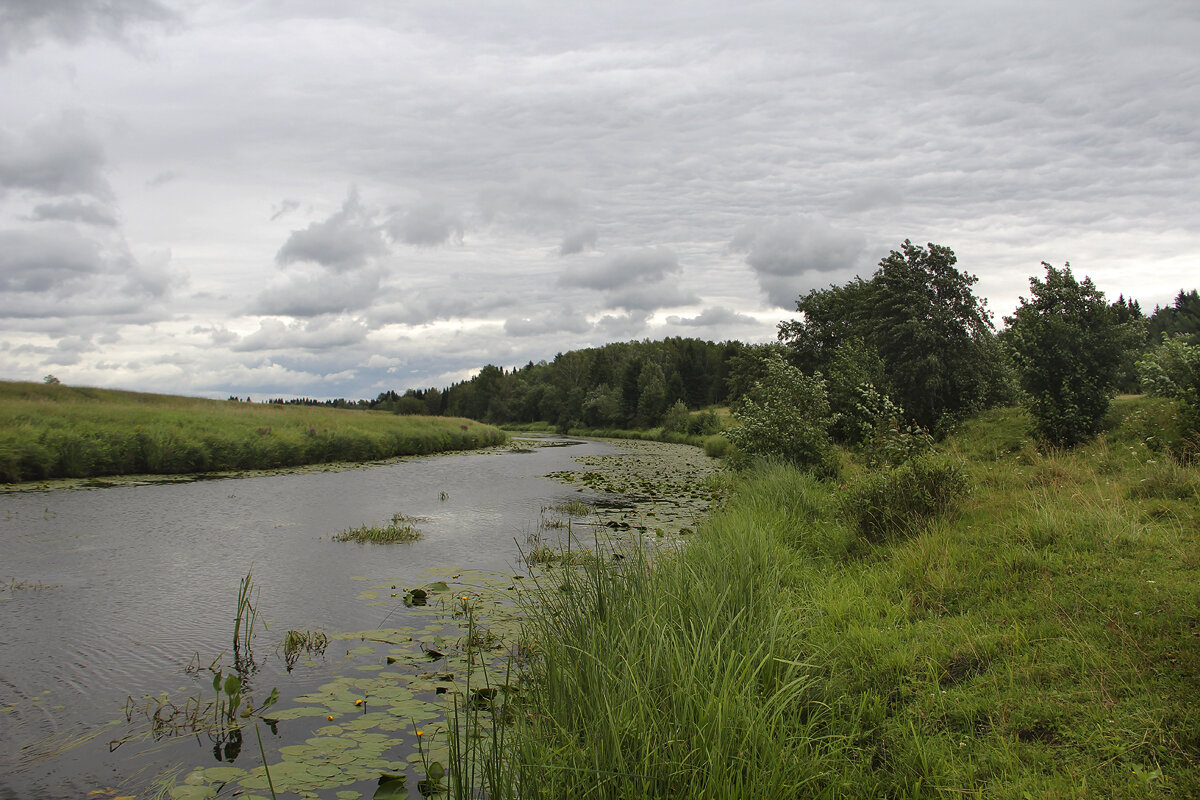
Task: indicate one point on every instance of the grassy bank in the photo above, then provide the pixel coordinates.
(714, 444)
(1037, 638)
(49, 431)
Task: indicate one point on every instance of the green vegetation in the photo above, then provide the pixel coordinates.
(1069, 345)
(786, 415)
(399, 529)
(1032, 632)
(915, 330)
(53, 431)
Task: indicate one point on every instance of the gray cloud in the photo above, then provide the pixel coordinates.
(578, 240)
(426, 225)
(871, 197)
(59, 157)
(164, 177)
(559, 320)
(285, 207)
(539, 201)
(714, 316)
(319, 334)
(344, 242)
(1011, 141)
(421, 306)
(781, 251)
(614, 327)
(641, 266)
(315, 293)
(24, 23)
(75, 211)
(45, 260)
(652, 297)
(55, 272)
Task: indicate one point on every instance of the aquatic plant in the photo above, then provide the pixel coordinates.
(400, 529)
(243, 625)
(296, 643)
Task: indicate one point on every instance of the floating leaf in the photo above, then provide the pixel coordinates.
(391, 787)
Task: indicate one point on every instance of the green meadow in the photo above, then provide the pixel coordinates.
(1032, 631)
(55, 431)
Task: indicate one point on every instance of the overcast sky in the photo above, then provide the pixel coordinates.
(329, 199)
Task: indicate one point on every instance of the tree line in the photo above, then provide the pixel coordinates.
(911, 341)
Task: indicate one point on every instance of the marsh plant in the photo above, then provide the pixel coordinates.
(297, 643)
(401, 529)
(222, 717)
(243, 625)
(478, 723)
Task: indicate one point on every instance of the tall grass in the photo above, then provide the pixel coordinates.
(1041, 641)
(49, 431)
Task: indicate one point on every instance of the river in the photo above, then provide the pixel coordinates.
(110, 593)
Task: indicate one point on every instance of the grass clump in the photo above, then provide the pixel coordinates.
(897, 500)
(400, 529)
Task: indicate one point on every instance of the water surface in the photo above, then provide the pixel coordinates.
(112, 592)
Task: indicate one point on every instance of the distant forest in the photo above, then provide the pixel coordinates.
(634, 384)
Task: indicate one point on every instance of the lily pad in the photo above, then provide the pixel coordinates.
(391, 787)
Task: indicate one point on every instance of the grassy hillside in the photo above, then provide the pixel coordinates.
(1040, 638)
(54, 431)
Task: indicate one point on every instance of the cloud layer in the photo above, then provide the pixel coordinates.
(335, 200)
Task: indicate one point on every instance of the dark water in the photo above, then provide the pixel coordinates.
(111, 592)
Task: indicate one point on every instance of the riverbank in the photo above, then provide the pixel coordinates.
(53, 431)
(713, 444)
(1037, 638)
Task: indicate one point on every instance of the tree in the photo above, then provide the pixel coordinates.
(1068, 344)
(652, 395)
(785, 415)
(929, 328)
(932, 336)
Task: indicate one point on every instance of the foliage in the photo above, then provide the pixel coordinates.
(931, 336)
(882, 435)
(1173, 370)
(855, 366)
(1181, 318)
(786, 415)
(898, 500)
(1069, 344)
(619, 385)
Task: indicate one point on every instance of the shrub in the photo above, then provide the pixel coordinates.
(716, 446)
(785, 415)
(884, 439)
(676, 418)
(887, 503)
(704, 423)
(1173, 370)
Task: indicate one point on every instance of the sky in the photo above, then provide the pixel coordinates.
(328, 199)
